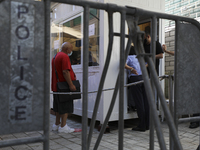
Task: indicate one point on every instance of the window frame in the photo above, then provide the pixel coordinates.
(69, 19)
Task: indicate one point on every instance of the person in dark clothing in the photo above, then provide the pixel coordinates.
(138, 91)
(147, 45)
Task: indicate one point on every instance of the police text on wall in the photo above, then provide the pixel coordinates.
(21, 60)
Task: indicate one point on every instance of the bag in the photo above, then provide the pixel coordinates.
(64, 87)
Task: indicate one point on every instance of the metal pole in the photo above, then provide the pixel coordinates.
(170, 87)
(175, 77)
(153, 51)
(149, 92)
(112, 101)
(103, 76)
(46, 75)
(121, 82)
(164, 106)
(175, 68)
(85, 78)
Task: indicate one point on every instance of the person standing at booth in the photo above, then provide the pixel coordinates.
(147, 45)
(138, 91)
(65, 74)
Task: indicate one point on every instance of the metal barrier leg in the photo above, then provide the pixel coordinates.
(110, 44)
(46, 75)
(176, 46)
(112, 102)
(171, 109)
(152, 50)
(163, 103)
(149, 92)
(121, 82)
(85, 78)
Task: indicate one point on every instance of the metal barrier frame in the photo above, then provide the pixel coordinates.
(110, 8)
(135, 35)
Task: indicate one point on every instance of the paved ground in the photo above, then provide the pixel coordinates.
(133, 140)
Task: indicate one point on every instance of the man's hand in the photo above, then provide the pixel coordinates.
(134, 71)
(164, 47)
(72, 88)
(67, 77)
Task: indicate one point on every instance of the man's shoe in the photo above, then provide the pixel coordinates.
(194, 125)
(138, 129)
(65, 129)
(55, 127)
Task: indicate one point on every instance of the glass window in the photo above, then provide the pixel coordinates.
(94, 38)
(77, 21)
(55, 42)
(72, 32)
(67, 24)
(93, 13)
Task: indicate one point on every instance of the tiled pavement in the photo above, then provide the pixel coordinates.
(133, 140)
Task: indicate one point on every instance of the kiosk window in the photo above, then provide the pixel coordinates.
(72, 31)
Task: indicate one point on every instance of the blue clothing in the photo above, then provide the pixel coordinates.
(138, 93)
(133, 62)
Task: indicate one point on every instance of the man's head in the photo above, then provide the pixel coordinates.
(67, 48)
(147, 35)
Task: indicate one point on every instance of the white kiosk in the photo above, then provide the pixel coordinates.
(67, 25)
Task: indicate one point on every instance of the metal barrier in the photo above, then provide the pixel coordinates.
(131, 16)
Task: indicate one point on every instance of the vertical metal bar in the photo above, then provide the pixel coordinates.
(46, 74)
(149, 92)
(171, 144)
(153, 37)
(177, 23)
(103, 76)
(153, 51)
(164, 106)
(175, 68)
(121, 82)
(112, 101)
(85, 77)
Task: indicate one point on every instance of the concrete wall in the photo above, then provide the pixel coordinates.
(169, 59)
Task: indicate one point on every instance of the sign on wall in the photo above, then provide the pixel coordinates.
(21, 70)
(22, 62)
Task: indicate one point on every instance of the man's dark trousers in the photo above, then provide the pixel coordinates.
(141, 102)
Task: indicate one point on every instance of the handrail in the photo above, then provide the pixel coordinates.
(108, 89)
